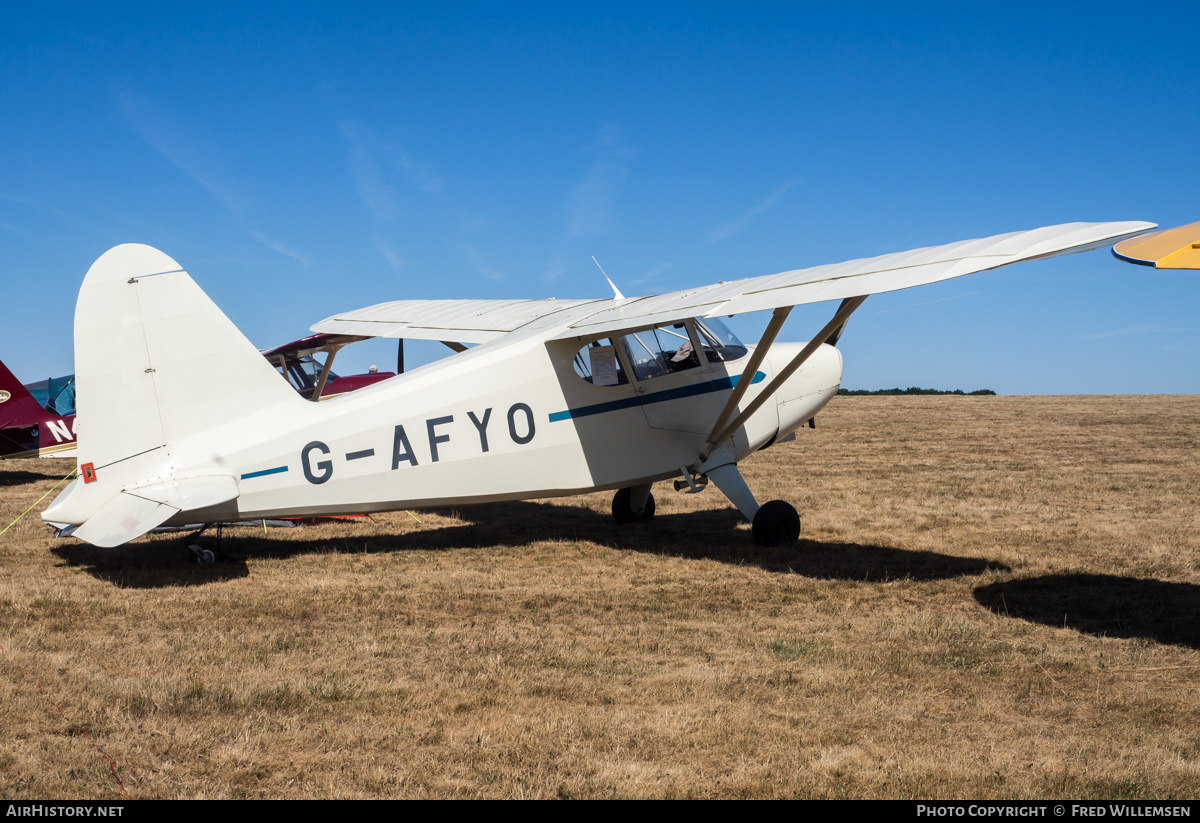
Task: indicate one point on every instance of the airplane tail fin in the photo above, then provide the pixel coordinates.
(158, 365)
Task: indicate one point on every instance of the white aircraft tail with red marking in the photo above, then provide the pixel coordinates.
(157, 366)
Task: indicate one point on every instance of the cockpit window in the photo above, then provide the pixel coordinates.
(664, 350)
(653, 353)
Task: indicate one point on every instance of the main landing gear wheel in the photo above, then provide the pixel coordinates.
(622, 508)
(775, 524)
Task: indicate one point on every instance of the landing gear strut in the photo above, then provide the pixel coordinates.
(633, 505)
(774, 523)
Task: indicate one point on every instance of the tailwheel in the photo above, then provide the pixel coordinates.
(624, 509)
(204, 557)
(776, 523)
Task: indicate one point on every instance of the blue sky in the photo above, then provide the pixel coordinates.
(300, 159)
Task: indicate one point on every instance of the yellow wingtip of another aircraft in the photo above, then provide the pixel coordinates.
(1177, 248)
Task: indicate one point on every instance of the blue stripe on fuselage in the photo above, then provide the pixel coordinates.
(275, 470)
(659, 397)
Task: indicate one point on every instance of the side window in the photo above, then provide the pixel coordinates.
(598, 364)
(656, 352)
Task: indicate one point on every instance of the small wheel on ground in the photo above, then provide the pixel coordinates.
(776, 523)
(623, 512)
(204, 557)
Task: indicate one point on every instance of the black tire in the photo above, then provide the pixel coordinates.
(623, 513)
(775, 524)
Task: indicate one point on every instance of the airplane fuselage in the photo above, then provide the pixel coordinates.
(497, 423)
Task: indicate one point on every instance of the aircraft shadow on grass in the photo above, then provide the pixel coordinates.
(701, 535)
(1102, 605)
(21, 478)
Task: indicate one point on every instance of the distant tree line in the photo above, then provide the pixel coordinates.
(913, 390)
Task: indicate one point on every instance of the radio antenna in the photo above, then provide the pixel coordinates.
(616, 291)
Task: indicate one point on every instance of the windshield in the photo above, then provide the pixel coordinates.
(62, 395)
(56, 395)
(303, 372)
(719, 342)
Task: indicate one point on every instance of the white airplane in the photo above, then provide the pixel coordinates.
(187, 423)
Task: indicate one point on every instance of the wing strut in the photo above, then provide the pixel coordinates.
(316, 395)
(760, 352)
(721, 432)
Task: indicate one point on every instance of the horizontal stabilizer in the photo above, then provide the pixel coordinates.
(189, 493)
(122, 519)
(137, 510)
(1177, 248)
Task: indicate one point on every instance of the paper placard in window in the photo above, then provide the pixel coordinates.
(604, 365)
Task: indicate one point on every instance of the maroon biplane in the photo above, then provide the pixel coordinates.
(37, 420)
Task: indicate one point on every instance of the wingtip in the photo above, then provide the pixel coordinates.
(1176, 248)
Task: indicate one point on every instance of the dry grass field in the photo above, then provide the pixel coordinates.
(995, 597)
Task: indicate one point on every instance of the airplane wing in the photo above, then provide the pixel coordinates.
(314, 343)
(481, 321)
(461, 321)
(857, 278)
